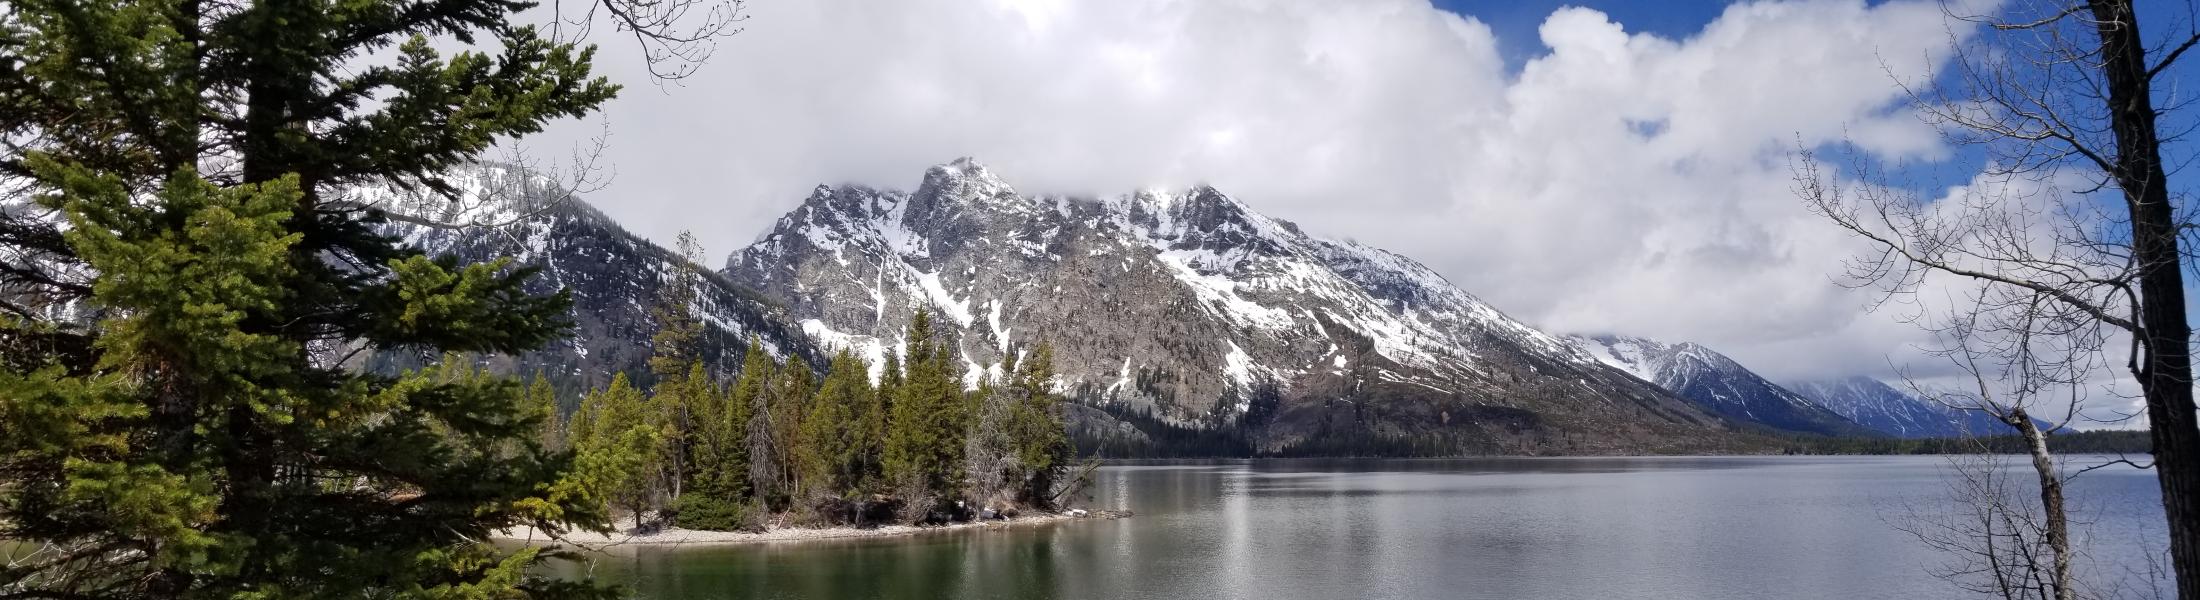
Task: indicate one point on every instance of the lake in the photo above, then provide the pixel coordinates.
(1685, 527)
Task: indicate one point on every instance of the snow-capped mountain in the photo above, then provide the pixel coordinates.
(615, 278)
(1188, 306)
(1717, 383)
(1875, 404)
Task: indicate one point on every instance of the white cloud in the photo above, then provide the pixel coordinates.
(1617, 182)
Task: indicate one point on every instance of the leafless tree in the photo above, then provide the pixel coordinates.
(989, 460)
(1990, 533)
(2006, 536)
(676, 36)
(494, 196)
(2016, 364)
(2073, 229)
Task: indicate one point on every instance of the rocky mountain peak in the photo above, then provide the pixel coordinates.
(1716, 382)
(962, 183)
(1185, 305)
(837, 204)
(1700, 357)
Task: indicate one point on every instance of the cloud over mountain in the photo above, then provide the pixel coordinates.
(1616, 182)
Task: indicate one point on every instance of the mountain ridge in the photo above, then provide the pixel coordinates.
(615, 278)
(1874, 403)
(1717, 383)
(1189, 306)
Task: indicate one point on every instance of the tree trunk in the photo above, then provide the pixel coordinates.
(2165, 372)
(2051, 502)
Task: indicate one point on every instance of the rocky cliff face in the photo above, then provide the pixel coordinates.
(615, 278)
(1188, 307)
(1718, 384)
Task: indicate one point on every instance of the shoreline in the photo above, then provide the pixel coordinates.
(677, 537)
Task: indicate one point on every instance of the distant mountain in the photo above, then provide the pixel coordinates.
(1879, 406)
(1717, 383)
(615, 277)
(1186, 308)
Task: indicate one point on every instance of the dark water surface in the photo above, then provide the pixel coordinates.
(1710, 528)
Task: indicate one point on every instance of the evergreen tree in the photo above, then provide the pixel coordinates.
(197, 435)
(624, 432)
(832, 447)
(740, 411)
(908, 434)
(790, 401)
(1039, 434)
(719, 493)
(677, 344)
(580, 430)
(544, 399)
(676, 363)
(950, 416)
(876, 421)
(925, 436)
(203, 399)
(753, 392)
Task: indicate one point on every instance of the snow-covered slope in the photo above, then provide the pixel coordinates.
(1190, 306)
(1879, 406)
(614, 276)
(1717, 383)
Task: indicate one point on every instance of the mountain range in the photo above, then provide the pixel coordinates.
(1719, 383)
(614, 277)
(1881, 407)
(1170, 312)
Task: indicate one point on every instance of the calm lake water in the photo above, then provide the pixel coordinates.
(1709, 528)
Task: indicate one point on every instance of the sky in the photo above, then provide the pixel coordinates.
(1587, 167)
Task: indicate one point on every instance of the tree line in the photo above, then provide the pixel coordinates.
(2071, 442)
(782, 444)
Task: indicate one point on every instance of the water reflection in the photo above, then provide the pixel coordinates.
(1713, 528)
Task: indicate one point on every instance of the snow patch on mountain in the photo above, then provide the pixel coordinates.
(1169, 300)
(1883, 407)
(1715, 381)
(615, 277)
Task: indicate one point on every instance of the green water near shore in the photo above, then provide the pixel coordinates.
(1713, 528)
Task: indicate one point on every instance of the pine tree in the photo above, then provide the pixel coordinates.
(624, 430)
(676, 345)
(545, 401)
(201, 438)
(790, 401)
(909, 435)
(926, 433)
(676, 362)
(753, 392)
(204, 401)
(951, 416)
(832, 438)
(580, 429)
(876, 420)
(719, 493)
(1038, 431)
